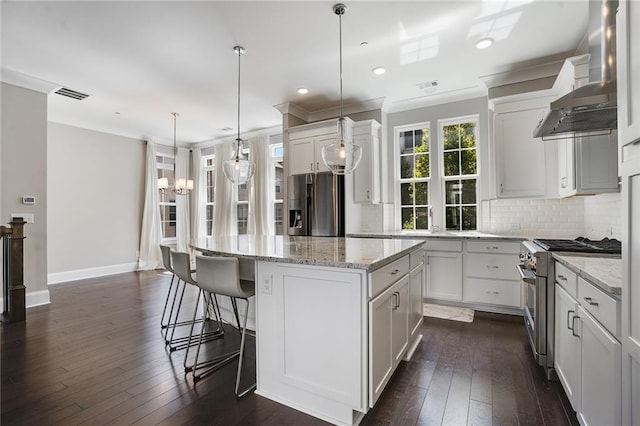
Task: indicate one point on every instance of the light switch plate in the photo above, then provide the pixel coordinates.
(267, 285)
(27, 217)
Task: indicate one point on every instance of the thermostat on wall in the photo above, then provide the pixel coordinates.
(28, 199)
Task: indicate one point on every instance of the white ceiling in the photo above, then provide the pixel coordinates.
(147, 59)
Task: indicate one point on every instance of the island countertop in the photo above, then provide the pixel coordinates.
(357, 253)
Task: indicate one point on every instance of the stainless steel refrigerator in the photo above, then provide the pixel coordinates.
(316, 205)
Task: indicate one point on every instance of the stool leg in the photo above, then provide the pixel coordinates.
(193, 323)
(166, 304)
(241, 357)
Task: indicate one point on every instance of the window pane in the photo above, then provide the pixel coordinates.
(468, 135)
(278, 212)
(422, 166)
(278, 151)
(468, 191)
(469, 218)
(421, 195)
(451, 166)
(422, 218)
(406, 194)
(406, 167)
(450, 137)
(243, 192)
(469, 162)
(406, 142)
(453, 218)
(453, 192)
(407, 218)
(279, 178)
(243, 213)
(422, 141)
(168, 221)
(209, 220)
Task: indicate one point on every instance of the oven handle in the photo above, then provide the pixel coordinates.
(526, 275)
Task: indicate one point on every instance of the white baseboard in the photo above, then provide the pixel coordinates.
(81, 274)
(35, 298)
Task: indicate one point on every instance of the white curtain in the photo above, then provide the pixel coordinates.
(198, 198)
(225, 211)
(182, 202)
(261, 193)
(151, 234)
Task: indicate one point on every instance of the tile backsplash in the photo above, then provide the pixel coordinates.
(603, 216)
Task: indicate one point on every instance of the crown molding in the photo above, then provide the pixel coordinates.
(26, 81)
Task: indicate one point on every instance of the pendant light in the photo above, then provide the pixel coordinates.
(341, 156)
(238, 169)
(183, 186)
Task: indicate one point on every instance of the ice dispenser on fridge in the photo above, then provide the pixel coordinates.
(316, 205)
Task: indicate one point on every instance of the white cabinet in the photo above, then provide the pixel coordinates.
(600, 374)
(628, 67)
(366, 177)
(587, 354)
(306, 143)
(525, 166)
(416, 286)
(444, 275)
(567, 346)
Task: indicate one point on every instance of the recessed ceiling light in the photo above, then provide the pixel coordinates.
(484, 43)
(378, 70)
(303, 91)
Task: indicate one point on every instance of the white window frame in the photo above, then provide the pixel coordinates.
(475, 118)
(166, 166)
(204, 170)
(274, 164)
(399, 180)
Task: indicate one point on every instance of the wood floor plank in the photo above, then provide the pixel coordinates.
(479, 414)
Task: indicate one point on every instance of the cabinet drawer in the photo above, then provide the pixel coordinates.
(387, 275)
(493, 247)
(443, 245)
(506, 293)
(416, 258)
(567, 279)
(498, 266)
(602, 306)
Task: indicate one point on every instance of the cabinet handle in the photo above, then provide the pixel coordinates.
(368, 195)
(590, 301)
(396, 303)
(501, 188)
(568, 313)
(563, 182)
(394, 272)
(318, 165)
(492, 247)
(562, 277)
(573, 326)
(311, 166)
(493, 267)
(492, 292)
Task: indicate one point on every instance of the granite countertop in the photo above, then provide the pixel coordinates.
(467, 235)
(356, 253)
(603, 272)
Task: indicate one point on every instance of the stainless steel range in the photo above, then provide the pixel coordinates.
(537, 272)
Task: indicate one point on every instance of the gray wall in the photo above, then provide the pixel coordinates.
(96, 193)
(23, 171)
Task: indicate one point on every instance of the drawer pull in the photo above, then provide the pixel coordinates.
(591, 301)
(569, 312)
(311, 166)
(492, 292)
(395, 272)
(493, 267)
(562, 277)
(492, 247)
(396, 303)
(573, 326)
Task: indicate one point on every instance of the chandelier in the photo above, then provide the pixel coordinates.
(341, 156)
(238, 169)
(183, 186)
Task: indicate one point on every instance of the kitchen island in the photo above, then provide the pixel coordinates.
(333, 317)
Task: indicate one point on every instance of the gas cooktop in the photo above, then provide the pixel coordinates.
(581, 245)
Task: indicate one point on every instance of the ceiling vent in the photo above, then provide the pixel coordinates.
(428, 86)
(71, 93)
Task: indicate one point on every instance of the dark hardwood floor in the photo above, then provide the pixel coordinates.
(95, 356)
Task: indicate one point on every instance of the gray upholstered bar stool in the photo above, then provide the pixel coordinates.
(221, 276)
(181, 263)
(166, 260)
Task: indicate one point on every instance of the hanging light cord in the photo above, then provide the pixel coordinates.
(175, 150)
(340, 13)
(239, 50)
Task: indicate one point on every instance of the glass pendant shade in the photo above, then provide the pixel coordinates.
(238, 169)
(341, 156)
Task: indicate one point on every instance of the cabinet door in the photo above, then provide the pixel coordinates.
(301, 157)
(628, 67)
(567, 346)
(381, 356)
(566, 167)
(444, 276)
(520, 156)
(320, 142)
(400, 319)
(415, 297)
(597, 163)
(365, 176)
(601, 374)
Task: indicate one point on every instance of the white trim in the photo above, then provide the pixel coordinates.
(35, 298)
(100, 271)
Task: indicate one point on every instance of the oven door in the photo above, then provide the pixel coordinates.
(535, 311)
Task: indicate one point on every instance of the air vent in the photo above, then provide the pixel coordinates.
(71, 93)
(428, 86)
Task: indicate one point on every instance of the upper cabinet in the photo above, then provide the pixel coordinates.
(628, 56)
(525, 166)
(366, 177)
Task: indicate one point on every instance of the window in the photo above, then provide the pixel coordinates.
(415, 177)
(460, 170)
(278, 205)
(209, 169)
(438, 183)
(167, 198)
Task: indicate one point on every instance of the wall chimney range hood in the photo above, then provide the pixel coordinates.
(592, 107)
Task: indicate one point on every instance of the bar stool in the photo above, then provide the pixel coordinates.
(181, 263)
(221, 276)
(166, 260)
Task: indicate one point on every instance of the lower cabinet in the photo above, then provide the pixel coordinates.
(444, 275)
(416, 303)
(587, 361)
